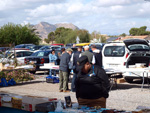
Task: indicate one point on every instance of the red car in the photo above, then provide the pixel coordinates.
(62, 45)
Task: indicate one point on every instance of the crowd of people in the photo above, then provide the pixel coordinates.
(90, 81)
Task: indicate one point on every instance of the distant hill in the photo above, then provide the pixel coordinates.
(44, 28)
(66, 25)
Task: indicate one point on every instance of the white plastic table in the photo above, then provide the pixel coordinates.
(49, 66)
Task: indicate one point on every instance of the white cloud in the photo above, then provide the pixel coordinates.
(108, 3)
(102, 15)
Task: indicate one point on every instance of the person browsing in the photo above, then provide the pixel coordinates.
(92, 84)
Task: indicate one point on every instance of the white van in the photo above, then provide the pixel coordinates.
(121, 56)
(114, 55)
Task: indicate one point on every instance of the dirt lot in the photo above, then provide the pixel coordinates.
(125, 97)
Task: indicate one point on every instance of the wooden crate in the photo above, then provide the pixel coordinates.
(120, 80)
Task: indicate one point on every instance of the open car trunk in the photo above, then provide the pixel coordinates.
(139, 52)
(138, 58)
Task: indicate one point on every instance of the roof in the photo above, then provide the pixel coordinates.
(139, 37)
(112, 39)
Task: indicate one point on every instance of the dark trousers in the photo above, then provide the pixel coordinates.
(63, 80)
(73, 88)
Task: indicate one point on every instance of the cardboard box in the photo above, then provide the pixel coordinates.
(17, 106)
(29, 102)
(16, 100)
(6, 104)
(26, 107)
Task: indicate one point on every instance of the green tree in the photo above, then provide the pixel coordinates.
(95, 35)
(100, 38)
(139, 31)
(133, 31)
(83, 35)
(103, 39)
(67, 35)
(123, 35)
(51, 38)
(18, 34)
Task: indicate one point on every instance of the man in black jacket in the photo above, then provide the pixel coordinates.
(98, 56)
(92, 84)
(75, 71)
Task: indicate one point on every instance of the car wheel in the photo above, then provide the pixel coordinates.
(129, 80)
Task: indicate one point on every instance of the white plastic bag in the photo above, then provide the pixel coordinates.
(59, 107)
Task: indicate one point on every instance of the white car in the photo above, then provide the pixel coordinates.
(20, 55)
(129, 53)
(114, 55)
(139, 57)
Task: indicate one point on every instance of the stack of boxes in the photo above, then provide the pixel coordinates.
(26, 103)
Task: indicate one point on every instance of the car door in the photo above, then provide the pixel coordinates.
(21, 55)
(114, 55)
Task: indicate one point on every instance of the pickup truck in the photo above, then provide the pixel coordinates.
(39, 58)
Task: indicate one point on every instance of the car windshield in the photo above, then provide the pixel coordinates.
(138, 47)
(115, 51)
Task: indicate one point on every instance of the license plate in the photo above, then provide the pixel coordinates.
(113, 65)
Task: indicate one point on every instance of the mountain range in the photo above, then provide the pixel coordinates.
(44, 28)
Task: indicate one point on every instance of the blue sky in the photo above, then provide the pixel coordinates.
(111, 17)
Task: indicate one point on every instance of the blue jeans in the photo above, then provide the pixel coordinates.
(73, 88)
(53, 71)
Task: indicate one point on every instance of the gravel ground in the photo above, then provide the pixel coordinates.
(125, 97)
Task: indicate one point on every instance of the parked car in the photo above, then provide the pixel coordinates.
(45, 48)
(120, 56)
(39, 58)
(69, 45)
(82, 44)
(3, 49)
(139, 55)
(114, 55)
(23, 45)
(62, 45)
(34, 47)
(19, 54)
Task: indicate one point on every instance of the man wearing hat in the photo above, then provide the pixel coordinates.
(92, 84)
(64, 70)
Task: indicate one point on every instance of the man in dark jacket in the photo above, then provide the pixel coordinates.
(64, 71)
(98, 56)
(89, 54)
(75, 71)
(92, 84)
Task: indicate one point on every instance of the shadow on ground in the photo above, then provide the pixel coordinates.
(134, 84)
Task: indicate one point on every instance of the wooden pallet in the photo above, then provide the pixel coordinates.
(120, 80)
